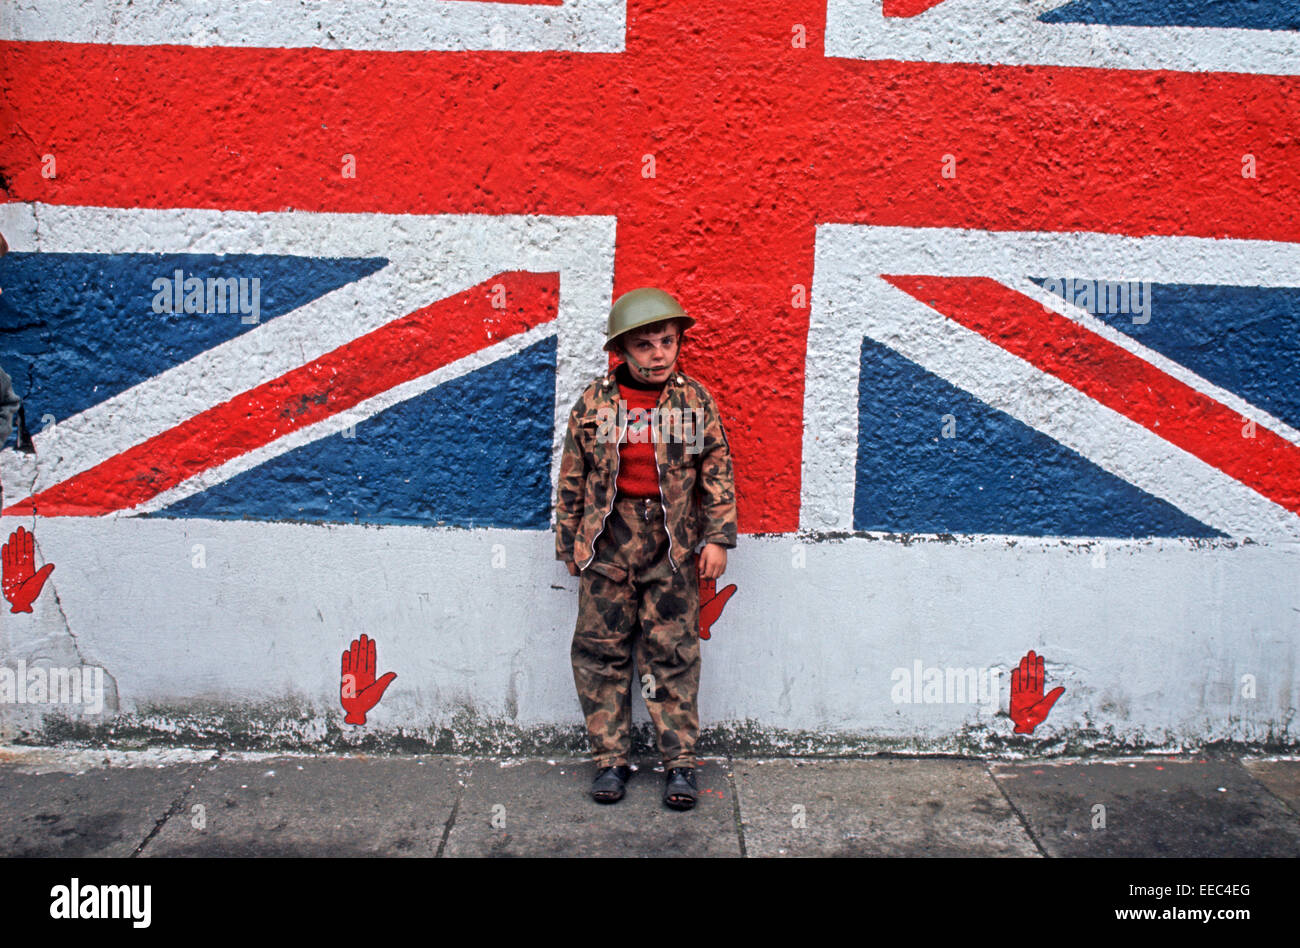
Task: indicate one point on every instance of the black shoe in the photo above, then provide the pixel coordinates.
(608, 785)
(679, 788)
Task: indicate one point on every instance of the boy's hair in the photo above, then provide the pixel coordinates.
(657, 326)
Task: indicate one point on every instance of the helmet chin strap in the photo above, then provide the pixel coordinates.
(639, 368)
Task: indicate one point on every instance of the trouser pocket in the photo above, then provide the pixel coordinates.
(610, 570)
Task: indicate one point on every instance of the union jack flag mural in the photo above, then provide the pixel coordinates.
(724, 146)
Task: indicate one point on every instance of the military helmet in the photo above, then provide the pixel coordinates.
(641, 307)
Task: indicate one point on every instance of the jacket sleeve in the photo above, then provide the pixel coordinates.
(569, 491)
(716, 482)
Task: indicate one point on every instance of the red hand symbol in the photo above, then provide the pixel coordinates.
(1029, 708)
(21, 585)
(711, 603)
(360, 691)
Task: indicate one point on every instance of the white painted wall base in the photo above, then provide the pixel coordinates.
(1151, 646)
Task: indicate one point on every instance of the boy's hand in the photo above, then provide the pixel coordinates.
(573, 568)
(713, 561)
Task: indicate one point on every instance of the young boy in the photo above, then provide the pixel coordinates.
(645, 477)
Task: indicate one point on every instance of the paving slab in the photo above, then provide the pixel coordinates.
(542, 808)
(59, 802)
(884, 807)
(315, 806)
(1190, 808)
(1282, 777)
(57, 808)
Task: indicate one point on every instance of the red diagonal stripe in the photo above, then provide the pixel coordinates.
(404, 349)
(1118, 379)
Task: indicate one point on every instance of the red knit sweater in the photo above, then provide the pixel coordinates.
(638, 469)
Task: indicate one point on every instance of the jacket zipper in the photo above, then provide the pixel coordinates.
(659, 480)
(667, 528)
(613, 490)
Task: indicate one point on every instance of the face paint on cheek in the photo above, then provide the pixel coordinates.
(645, 371)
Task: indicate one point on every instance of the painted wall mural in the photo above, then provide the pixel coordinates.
(1000, 304)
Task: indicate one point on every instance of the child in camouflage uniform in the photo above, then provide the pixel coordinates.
(638, 490)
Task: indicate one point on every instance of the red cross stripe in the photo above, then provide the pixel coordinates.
(756, 137)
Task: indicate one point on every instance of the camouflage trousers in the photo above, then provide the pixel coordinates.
(632, 603)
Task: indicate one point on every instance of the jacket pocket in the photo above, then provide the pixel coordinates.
(588, 440)
(679, 479)
(596, 500)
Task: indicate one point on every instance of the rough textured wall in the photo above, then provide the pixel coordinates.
(1001, 303)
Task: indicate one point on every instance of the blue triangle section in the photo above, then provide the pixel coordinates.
(1245, 339)
(80, 328)
(473, 452)
(1239, 14)
(997, 475)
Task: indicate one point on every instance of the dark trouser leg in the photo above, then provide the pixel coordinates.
(669, 649)
(602, 648)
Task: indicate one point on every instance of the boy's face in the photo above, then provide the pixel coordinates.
(651, 351)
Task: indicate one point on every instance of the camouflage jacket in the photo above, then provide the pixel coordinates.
(696, 484)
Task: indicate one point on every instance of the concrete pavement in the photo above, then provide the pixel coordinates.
(178, 802)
